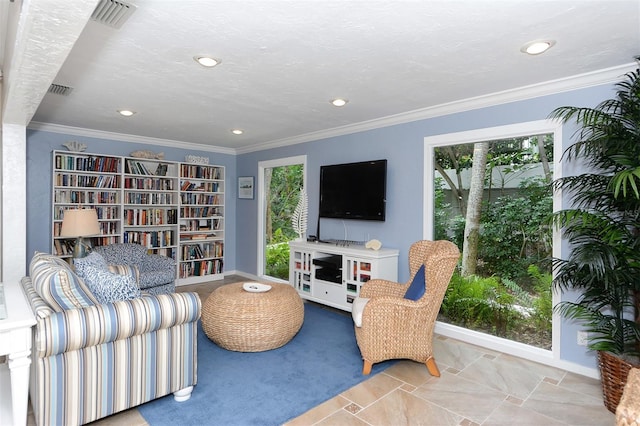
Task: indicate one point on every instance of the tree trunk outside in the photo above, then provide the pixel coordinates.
(474, 206)
(543, 158)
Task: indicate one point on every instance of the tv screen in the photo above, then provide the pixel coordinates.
(354, 190)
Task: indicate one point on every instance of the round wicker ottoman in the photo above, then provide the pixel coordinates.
(242, 321)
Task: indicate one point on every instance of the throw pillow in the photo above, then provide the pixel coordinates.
(109, 287)
(58, 285)
(92, 259)
(126, 270)
(417, 287)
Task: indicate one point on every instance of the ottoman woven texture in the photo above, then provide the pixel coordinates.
(242, 321)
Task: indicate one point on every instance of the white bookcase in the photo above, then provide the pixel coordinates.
(201, 254)
(334, 274)
(172, 208)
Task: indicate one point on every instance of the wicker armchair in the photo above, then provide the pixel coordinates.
(628, 411)
(393, 327)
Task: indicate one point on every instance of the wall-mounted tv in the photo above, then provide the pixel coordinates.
(354, 190)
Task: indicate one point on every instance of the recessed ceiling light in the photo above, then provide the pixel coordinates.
(207, 61)
(126, 112)
(537, 47)
(237, 131)
(339, 102)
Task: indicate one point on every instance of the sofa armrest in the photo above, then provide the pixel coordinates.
(94, 325)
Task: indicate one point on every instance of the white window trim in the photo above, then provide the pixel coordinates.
(542, 356)
(262, 165)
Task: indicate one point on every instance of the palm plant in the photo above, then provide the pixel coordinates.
(603, 224)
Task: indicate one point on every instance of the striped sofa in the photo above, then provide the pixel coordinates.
(91, 360)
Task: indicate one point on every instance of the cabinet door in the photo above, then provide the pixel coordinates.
(357, 272)
(300, 271)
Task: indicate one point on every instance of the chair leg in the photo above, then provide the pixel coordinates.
(366, 369)
(432, 367)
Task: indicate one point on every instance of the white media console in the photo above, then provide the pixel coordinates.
(332, 274)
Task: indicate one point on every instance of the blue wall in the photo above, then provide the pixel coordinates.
(401, 145)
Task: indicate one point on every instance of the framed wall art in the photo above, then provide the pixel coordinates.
(245, 187)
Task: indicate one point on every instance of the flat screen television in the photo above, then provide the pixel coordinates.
(354, 190)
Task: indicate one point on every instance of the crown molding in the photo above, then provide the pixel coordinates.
(99, 134)
(581, 81)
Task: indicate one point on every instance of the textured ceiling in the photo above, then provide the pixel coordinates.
(282, 61)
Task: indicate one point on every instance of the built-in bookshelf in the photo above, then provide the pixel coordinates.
(174, 209)
(150, 214)
(90, 181)
(201, 218)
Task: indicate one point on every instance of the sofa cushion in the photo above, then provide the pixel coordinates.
(109, 287)
(417, 287)
(55, 282)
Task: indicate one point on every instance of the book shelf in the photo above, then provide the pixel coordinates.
(201, 220)
(174, 209)
(89, 181)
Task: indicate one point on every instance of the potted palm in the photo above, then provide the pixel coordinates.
(602, 228)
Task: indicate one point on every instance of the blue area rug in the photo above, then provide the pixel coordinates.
(272, 387)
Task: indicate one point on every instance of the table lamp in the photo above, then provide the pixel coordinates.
(80, 223)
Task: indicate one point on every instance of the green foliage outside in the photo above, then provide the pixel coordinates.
(277, 256)
(510, 296)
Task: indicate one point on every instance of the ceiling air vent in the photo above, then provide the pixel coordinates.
(112, 13)
(58, 89)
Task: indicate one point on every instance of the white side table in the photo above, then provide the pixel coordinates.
(15, 344)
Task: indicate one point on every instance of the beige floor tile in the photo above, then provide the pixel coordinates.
(402, 408)
(410, 372)
(370, 390)
(539, 369)
(131, 417)
(568, 406)
(505, 414)
(585, 385)
(468, 399)
(505, 377)
(454, 354)
(341, 418)
(320, 412)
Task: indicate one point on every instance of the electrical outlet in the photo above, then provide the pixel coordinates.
(583, 337)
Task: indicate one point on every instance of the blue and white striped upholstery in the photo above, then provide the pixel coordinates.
(91, 362)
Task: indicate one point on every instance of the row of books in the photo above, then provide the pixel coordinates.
(87, 163)
(198, 268)
(156, 198)
(87, 181)
(156, 217)
(200, 172)
(201, 224)
(103, 212)
(150, 239)
(164, 251)
(201, 251)
(84, 197)
(200, 187)
(201, 199)
(154, 184)
(200, 212)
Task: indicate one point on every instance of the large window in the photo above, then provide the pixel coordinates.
(489, 191)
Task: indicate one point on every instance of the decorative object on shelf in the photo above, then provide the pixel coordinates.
(80, 223)
(161, 170)
(245, 187)
(148, 154)
(196, 159)
(299, 216)
(373, 244)
(256, 287)
(75, 146)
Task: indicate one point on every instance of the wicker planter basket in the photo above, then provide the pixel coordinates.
(614, 371)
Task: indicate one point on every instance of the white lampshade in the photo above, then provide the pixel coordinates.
(80, 223)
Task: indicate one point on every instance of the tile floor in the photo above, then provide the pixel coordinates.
(477, 387)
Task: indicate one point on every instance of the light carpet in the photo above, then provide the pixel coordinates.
(272, 387)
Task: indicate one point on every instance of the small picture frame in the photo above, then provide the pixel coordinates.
(245, 187)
